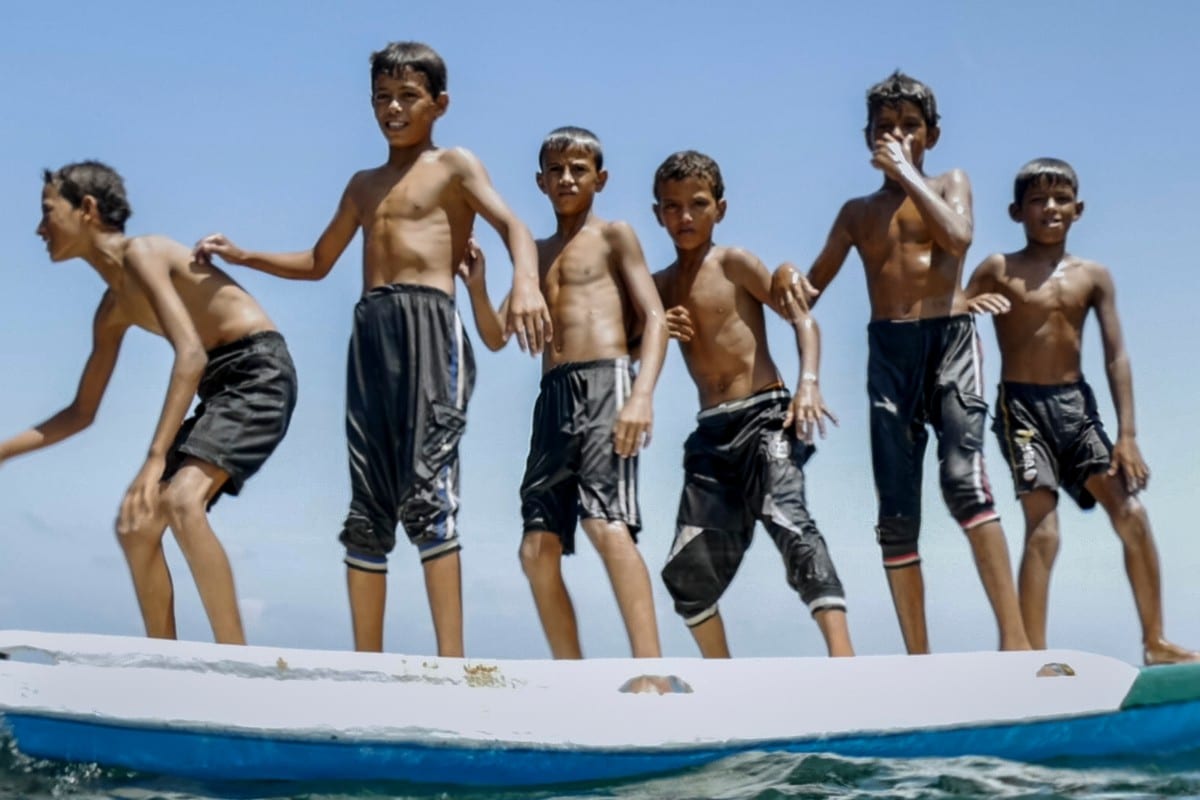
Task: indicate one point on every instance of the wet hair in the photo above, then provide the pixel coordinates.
(397, 57)
(570, 137)
(105, 184)
(1044, 172)
(897, 87)
(690, 164)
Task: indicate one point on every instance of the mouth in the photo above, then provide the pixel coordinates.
(395, 125)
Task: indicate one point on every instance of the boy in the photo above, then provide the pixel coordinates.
(741, 463)
(592, 415)
(1046, 416)
(924, 367)
(411, 370)
(226, 350)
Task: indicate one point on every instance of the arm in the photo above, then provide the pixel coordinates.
(948, 212)
(1127, 458)
(633, 427)
(306, 265)
(527, 315)
(107, 333)
(982, 297)
(488, 321)
(828, 262)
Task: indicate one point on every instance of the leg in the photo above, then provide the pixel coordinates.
(630, 582)
(443, 587)
(1041, 548)
(1132, 525)
(185, 500)
(832, 622)
(710, 637)
(995, 571)
(907, 586)
(368, 596)
(541, 559)
(151, 578)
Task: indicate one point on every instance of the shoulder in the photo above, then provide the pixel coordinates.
(992, 265)
(953, 180)
(149, 252)
(1096, 273)
(620, 236)
(459, 160)
(736, 257)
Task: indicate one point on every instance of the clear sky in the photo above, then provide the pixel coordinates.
(248, 118)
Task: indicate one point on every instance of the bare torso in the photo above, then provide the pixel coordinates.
(908, 275)
(727, 356)
(221, 310)
(589, 306)
(1041, 336)
(415, 221)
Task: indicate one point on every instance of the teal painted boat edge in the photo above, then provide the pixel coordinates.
(1169, 683)
(1140, 734)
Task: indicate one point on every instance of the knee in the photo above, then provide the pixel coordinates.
(1130, 519)
(181, 503)
(1044, 533)
(538, 558)
(897, 537)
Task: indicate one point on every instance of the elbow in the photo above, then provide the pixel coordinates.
(190, 361)
(959, 241)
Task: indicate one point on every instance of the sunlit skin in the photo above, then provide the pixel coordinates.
(1041, 296)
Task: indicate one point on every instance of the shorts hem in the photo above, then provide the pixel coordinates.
(439, 550)
(703, 616)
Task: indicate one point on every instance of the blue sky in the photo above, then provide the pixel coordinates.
(248, 118)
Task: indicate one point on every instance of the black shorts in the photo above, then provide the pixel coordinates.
(410, 374)
(247, 395)
(741, 466)
(926, 372)
(573, 470)
(1052, 436)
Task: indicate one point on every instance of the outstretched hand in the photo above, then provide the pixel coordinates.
(808, 412)
(791, 292)
(528, 318)
(989, 303)
(892, 155)
(1128, 464)
(217, 244)
(679, 324)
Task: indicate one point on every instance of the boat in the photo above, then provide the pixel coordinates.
(219, 712)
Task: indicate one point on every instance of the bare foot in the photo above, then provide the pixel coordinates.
(662, 684)
(1164, 652)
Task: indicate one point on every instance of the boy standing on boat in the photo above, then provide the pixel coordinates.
(1046, 416)
(226, 350)
(411, 370)
(912, 235)
(593, 414)
(745, 461)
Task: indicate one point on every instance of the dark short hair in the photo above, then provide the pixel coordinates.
(1044, 172)
(105, 184)
(898, 87)
(420, 58)
(570, 137)
(690, 164)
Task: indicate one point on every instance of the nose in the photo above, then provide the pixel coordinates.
(1051, 202)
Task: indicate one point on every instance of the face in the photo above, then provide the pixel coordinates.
(1047, 211)
(689, 212)
(404, 108)
(902, 120)
(570, 179)
(62, 226)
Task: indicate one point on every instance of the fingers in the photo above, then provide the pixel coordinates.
(629, 438)
(679, 324)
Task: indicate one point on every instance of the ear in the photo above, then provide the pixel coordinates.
(655, 210)
(933, 133)
(1078, 209)
(1014, 212)
(867, 137)
(442, 102)
(90, 209)
(721, 206)
(601, 179)
(540, 180)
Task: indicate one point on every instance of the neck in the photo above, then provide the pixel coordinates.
(404, 157)
(1050, 253)
(688, 261)
(567, 225)
(107, 256)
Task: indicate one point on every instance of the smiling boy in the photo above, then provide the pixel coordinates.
(1046, 415)
(411, 371)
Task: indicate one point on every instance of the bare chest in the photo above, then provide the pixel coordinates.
(424, 192)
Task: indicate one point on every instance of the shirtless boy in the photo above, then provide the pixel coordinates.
(1046, 417)
(226, 350)
(745, 461)
(592, 415)
(411, 370)
(924, 366)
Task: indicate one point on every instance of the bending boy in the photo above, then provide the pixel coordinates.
(226, 350)
(745, 461)
(411, 371)
(1046, 416)
(593, 414)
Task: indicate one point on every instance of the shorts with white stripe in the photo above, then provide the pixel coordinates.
(410, 375)
(572, 470)
(926, 372)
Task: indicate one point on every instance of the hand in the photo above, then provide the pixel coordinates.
(790, 289)
(528, 318)
(217, 244)
(893, 156)
(140, 504)
(808, 412)
(632, 429)
(679, 324)
(473, 266)
(989, 303)
(1127, 463)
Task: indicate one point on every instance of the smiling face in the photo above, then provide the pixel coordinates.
(688, 210)
(1047, 210)
(63, 226)
(404, 108)
(570, 179)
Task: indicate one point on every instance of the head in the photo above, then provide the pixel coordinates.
(79, 200)
(689, 198)
(571, 168)
(408, 91)
(1046, 199)
(902, 106)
